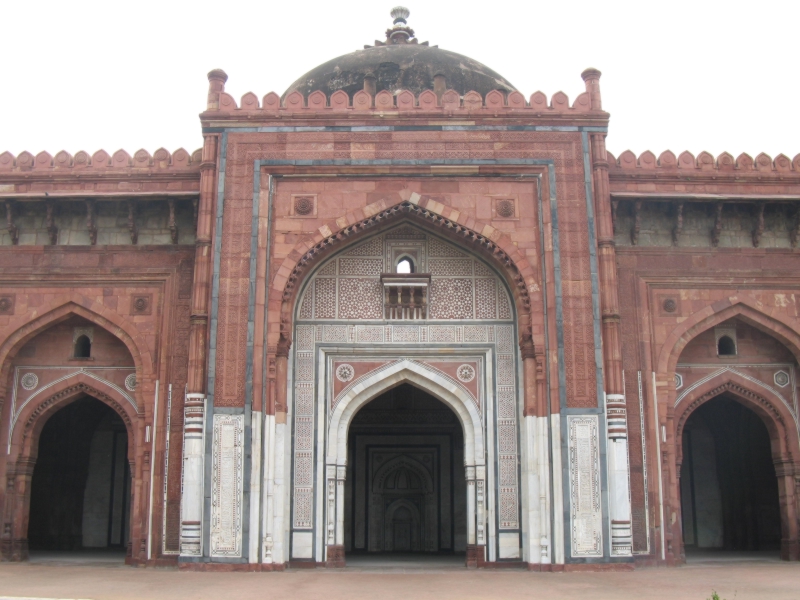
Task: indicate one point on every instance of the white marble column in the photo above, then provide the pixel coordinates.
(341, 475)
(471, 517)
(255, 486)
(543, 460)
(536, 477)
(267, 496)
(193, 464)
(480, 505)
(619, 492)
(330, 507)
(557, 538)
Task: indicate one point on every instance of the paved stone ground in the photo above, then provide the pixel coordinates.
(102, 577)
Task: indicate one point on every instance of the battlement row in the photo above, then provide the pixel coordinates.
(181, 159)
(160, 159)
(704, 161)
(405, 101)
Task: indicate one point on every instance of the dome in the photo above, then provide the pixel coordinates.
(400, 63)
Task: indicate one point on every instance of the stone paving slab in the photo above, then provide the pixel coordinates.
(742, 580)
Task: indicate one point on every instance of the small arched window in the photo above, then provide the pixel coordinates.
(405, 266)
(83, 347)
(726, 346)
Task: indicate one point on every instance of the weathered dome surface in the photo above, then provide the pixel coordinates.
(400, 63)
(399, 67)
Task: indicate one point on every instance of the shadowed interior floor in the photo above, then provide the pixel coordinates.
(717, 555)
(402, 561)
(101, 557)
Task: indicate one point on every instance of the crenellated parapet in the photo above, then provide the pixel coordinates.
(100, 161)
(704, 161)
(100, 198)
(404, 101)
(703, 201)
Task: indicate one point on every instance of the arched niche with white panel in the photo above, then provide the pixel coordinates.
(349, 287)
(450, 332)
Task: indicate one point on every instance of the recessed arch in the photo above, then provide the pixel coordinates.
(484, 240)
(402, 507)
(769, 407)
(747, 309)
(774, 413)
(418, 375)
(431, 255)
(27, 326)
(33, 414)
(781, 429)
(24, 445)
(402, 462)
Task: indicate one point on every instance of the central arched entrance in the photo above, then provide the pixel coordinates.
(364, 328)
(405, 487)
(407, 512)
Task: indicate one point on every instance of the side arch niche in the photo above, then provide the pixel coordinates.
(730, 423)
(43, 377)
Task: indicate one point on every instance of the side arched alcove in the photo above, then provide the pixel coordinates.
(362, 329)
(71, 430)
(733, 443)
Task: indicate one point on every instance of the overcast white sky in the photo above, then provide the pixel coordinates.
(696, 75)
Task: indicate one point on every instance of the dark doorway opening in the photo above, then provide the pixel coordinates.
(729, 490)
(80, 489)
(406, 490)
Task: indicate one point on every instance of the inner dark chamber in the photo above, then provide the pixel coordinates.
(80, 490)
(729, 491)
(405, 488)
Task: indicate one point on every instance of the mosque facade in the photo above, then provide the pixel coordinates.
(401, 308)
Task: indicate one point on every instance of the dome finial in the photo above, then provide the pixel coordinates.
(400, 33)
(400, 14)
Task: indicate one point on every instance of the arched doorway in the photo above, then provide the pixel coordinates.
(80, 488)
(70, 421)
(405, 486)
(728, 487)
(362, 329)
(736, 444)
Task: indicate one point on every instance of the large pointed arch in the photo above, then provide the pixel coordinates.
(749, 310)
(27, 326)
(338, 234)
(418, 375)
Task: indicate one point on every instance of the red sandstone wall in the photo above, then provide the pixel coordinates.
(698, 282)
(106, 282)
(347, 201)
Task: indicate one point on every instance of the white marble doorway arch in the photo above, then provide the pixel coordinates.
(404, 371)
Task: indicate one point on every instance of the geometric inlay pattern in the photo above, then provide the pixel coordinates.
(348, 286)
(29, 381)
(344, 372)
(464, 292)
(226, 486)
(584, 486)
(466, 373)
(781, 379)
